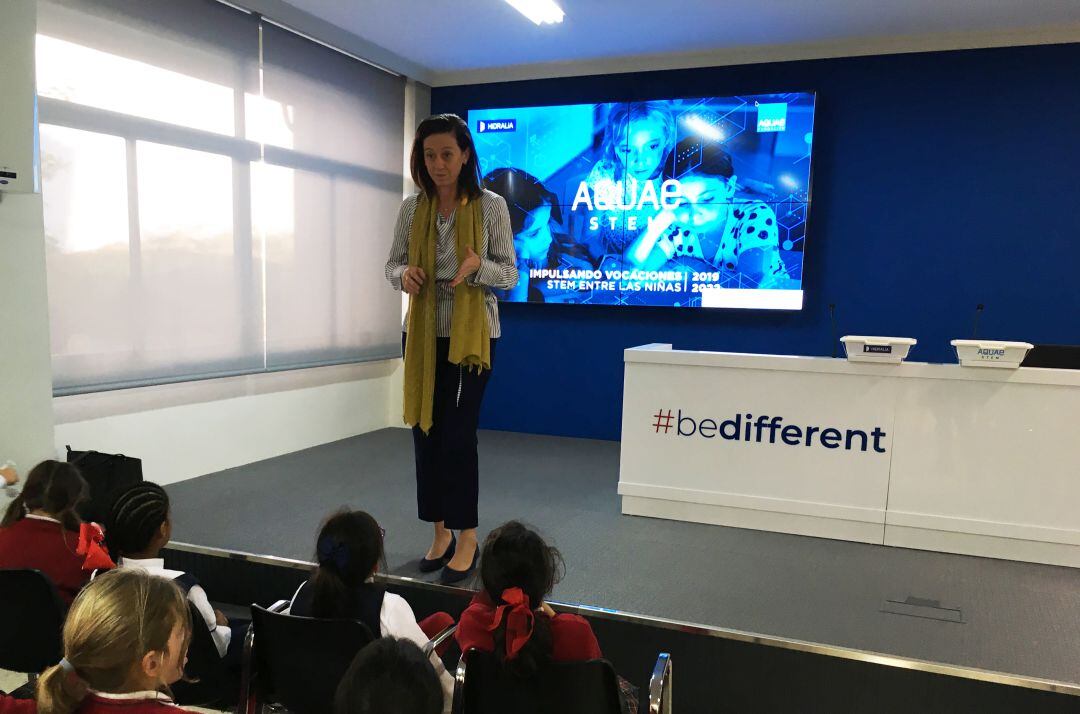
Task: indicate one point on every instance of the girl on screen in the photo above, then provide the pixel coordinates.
(534, 218)
(638, 137)
(734, 235)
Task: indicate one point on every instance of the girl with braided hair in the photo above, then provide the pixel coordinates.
(138, 528)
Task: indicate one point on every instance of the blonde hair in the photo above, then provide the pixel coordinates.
(118, 618)
(618, 124)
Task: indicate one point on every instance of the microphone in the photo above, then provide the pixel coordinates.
(832, 320)
(975, 327)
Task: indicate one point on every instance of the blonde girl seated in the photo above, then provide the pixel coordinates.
(125, 642)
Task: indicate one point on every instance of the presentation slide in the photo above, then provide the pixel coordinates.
(675, 203)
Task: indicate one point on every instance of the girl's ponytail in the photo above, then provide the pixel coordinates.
(15, 511)
(348, 549)
(113, 623)
(59, 691)
(518, 570)
(53, 486)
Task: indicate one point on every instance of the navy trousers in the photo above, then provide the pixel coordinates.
(447, 467)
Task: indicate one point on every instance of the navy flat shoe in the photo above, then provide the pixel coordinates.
(430, 565)
(449, 576)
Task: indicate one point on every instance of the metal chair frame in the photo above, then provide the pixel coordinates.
(439, 639)
(660, 686)
(244, 704)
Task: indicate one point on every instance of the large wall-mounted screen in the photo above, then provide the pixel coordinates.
(697, 202)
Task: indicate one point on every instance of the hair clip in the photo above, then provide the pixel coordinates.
(332, 551)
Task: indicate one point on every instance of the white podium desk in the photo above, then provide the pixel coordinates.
(940, 457)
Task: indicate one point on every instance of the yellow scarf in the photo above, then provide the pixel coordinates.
(469, 331)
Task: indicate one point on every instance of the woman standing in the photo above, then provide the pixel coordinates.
(452, 246)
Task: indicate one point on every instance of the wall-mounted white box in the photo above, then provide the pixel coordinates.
(861, 348)
(989, 353)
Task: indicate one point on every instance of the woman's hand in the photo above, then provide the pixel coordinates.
(468, 266)
(222, 621)
(546, 609)
(413, 279)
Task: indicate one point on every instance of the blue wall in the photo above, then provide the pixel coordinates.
(941, 180)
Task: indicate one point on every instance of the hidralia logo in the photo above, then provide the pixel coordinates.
(772, 117)
(744, 427)
(483, 127)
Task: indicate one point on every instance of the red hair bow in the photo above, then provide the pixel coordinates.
(519, 620)
(91, 545)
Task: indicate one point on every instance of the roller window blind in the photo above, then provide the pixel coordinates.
(218, 194)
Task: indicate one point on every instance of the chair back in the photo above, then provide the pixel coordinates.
(210, 683)
(31, 622)
(566, 687)
(299, 661)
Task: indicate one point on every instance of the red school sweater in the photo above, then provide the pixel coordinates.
(47, 546)
(572, 638)
(11, 705)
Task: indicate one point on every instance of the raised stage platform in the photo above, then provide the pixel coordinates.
(1009, 617)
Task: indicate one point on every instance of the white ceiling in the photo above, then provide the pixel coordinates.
(458, 41)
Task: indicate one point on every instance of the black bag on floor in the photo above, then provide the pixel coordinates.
(108, 476)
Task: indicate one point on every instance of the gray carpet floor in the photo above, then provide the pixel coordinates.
(1019, 618)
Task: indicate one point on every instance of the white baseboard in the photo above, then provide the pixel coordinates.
(755, 519)
(983, 527)
(985, 546)
(831, 511)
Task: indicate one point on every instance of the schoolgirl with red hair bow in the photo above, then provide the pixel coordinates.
(508, 616)
(42, 530)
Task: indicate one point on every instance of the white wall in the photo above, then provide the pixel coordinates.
(189, 429)
(26, 418)
(757, 54)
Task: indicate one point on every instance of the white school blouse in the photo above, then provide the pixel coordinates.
(156, 566)
(396, 619)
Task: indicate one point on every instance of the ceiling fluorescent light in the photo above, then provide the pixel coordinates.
(539, 11)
